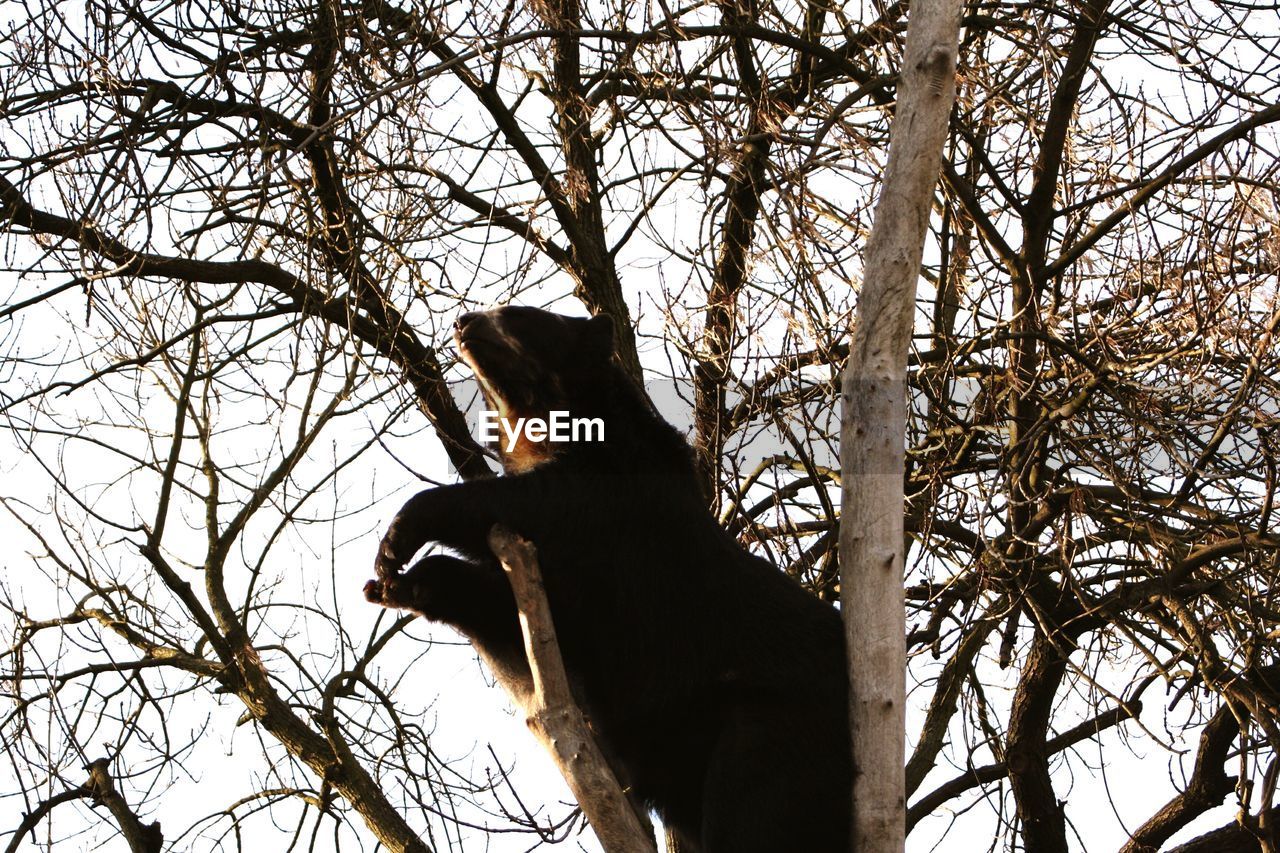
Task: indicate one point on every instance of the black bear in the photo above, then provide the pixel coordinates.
(715, 684)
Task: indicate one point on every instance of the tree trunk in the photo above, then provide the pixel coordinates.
(873, 427)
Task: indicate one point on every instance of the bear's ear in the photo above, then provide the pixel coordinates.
(598, 336)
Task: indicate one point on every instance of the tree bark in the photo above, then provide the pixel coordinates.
(552, 714)
(873, 426)
(141, 838)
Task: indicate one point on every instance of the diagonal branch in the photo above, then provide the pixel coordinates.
(32, 819)
(945, 698)
(1208, 786)
(417, 361)
(1235, 837)
(1072, 253)
(575, 198)
(1038, 212)
(140, 838)
(989, 773)
(552, 713)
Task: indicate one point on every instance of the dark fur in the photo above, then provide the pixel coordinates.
(714, 682)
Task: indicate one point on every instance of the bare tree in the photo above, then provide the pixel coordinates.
(236, 234)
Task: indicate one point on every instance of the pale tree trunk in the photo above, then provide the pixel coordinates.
(553, 715)
(873, 427)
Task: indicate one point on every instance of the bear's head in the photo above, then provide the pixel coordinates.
(531, 363)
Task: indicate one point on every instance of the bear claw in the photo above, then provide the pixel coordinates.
(386, 565)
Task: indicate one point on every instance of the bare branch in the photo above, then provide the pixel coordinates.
(551, 713)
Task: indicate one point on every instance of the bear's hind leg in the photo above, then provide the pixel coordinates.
(474, 598)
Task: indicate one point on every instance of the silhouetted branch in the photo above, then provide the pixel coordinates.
(554, 716)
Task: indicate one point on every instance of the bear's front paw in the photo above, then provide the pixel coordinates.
(391, 592)
(387, 564)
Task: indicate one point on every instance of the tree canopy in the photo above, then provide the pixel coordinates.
(236, 236)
